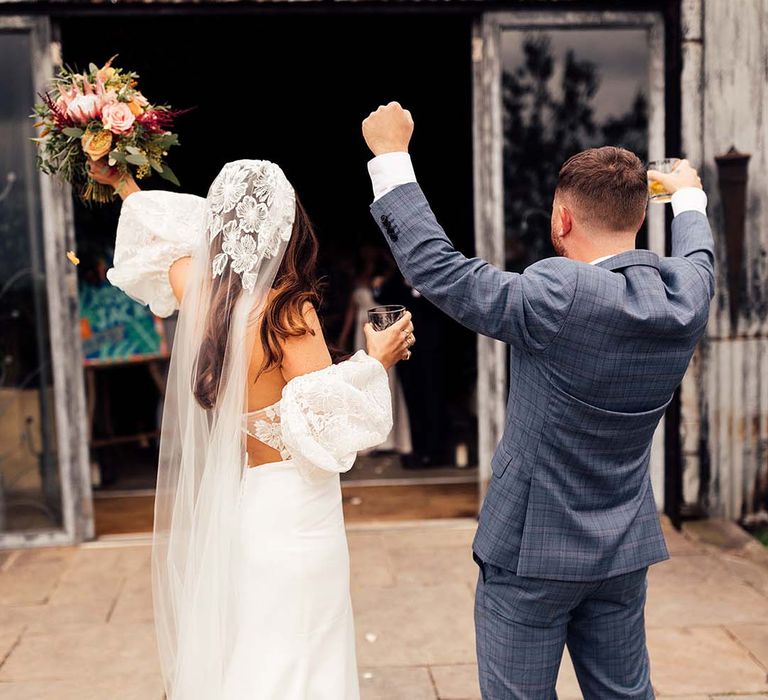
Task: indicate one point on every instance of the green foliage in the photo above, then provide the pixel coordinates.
(169, 175)
(545, 122)
(762, 536)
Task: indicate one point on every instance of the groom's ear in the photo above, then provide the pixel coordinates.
(566, 220)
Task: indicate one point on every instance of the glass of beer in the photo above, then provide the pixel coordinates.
(382, 317)
(656, 191)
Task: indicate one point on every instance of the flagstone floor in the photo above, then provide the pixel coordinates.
(76, 623)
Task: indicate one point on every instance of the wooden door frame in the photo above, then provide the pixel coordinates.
(489, 186)
(64, 322)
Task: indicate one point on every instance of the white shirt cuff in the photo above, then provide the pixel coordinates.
(689, 199)
(388, 171)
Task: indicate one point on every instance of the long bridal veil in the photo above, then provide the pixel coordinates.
(250, 210)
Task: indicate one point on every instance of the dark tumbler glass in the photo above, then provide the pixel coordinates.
(382, 317)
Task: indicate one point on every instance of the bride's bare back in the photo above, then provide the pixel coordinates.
(301, 355)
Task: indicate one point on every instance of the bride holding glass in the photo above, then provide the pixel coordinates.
(250, 563)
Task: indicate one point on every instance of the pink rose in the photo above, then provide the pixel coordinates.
(109, 97)
(117, 117)
(84, 108)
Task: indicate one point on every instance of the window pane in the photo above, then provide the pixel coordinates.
(30, 496)
(564, 91)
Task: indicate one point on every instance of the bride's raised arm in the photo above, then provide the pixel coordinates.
(330, 412)
(156, 236)
(309, 352)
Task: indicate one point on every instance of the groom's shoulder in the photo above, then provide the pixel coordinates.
(553, 272)
(553, 281)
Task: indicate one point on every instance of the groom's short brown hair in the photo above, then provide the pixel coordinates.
(607, 186)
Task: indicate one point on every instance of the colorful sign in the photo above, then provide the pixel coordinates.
(115, 328)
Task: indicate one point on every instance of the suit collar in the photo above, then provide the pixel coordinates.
(629, 258)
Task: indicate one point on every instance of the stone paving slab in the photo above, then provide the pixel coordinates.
(109, 652)
(415, 625)
(701, 590)
(702, 660)
(433, 566)
(30, 582)
(134, 604)
(457, 682)
(76, 622)
(370, 564)
(396, 683)
(754, 638)
(136, 688)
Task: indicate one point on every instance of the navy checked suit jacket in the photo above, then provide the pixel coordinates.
(596, 354)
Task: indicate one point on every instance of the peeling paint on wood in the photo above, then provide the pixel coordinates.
(731, 397)
(63, 317)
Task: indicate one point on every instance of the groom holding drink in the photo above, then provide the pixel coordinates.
(600, 338)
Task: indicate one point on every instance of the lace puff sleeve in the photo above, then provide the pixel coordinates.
(156, 228)
(330, 415)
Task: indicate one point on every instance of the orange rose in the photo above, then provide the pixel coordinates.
(135, 107)
(96, 144)
(106, 73)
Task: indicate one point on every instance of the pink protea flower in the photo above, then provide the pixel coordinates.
(84, 108)
(88, 89)
(66, 95)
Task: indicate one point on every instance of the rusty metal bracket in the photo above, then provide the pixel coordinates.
(733, 177)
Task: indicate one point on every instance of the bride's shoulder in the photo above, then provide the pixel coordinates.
(307, 351)
(311, 317)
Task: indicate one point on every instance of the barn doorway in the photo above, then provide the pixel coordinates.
(293, 88)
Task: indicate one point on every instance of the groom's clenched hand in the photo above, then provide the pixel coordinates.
(388, 129)
(684, 175)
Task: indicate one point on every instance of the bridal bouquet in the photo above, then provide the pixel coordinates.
(101, 113)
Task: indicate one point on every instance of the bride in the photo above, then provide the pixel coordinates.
(250, 563)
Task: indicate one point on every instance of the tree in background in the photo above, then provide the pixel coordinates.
(545, 122)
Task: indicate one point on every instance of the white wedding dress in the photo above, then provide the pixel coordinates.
(293, 634)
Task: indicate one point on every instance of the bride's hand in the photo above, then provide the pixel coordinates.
(392, 344)
(123, 184)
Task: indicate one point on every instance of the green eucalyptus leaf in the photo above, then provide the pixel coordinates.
(167, 140)
(72, 131)
(169, 175)
(135, 159)
(118, 156)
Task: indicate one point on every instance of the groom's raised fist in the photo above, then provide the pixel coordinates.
(388, 129)
(684, 175)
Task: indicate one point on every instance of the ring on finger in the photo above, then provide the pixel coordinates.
(407, 355)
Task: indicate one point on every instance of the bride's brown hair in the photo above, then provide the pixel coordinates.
(296, 285)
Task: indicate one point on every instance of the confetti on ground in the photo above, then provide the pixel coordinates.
(72, 257)
(355, 500)
(370, 637)
(367, 676)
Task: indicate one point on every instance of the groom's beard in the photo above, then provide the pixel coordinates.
(558, 245)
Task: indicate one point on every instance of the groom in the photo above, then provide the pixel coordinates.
(600, 338)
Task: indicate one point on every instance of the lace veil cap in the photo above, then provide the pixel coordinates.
(251, 206)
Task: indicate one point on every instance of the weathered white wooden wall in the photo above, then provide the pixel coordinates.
(725, 396)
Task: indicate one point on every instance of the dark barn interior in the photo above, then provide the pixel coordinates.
(294, 89)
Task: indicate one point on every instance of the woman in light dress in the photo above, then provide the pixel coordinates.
(250, 560)
(361, 300)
